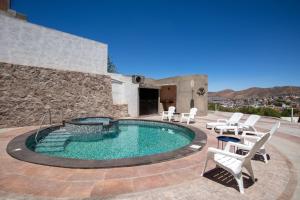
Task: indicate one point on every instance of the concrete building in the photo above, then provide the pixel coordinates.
(42, 67)
(183, 92)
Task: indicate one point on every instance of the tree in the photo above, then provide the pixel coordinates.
(111, 67)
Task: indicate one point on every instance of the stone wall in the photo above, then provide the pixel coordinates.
(24, 43)
(120, 110)
(25, 91)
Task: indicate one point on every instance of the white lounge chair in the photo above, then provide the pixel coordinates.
(234, 163)
(168, 114)
(248, 124)
(234, 119)
(189, 116)
(254, 136)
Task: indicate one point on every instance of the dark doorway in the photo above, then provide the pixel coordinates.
(148, 101)
(168, 96)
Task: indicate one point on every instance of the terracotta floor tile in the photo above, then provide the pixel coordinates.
(112, 187)
(87, 176)
(181, 175)
(53, 173)
(18, 177)
(25, 185)
(148, 170)
(78, 190)
(124, 172)
(149, 182)
(180, 163)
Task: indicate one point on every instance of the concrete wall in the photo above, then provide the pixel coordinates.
(26, 91)
(184, 92)
(118, 92)
(125, 92)
(25, 43)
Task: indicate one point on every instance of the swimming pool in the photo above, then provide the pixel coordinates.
(133, 139)
(133, 142)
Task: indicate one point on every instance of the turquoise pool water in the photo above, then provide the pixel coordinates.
(134, 139)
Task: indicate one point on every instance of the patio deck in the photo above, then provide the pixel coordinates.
(175, 179)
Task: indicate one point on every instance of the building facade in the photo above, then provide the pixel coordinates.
(42, 68)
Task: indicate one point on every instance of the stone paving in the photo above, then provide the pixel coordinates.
(175, 179)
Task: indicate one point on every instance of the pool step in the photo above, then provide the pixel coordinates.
(49, 149)
(55, 139)
(53, 142)
(58, 136)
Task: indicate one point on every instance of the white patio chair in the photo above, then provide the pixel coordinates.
(234, 119)
(247, 125)
(168, 114)
(234, 163)
(189, 116)
(254, 136)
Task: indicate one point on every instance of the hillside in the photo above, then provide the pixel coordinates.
(256, 92)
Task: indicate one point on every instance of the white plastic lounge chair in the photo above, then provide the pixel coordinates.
(234, 119)
(248, 124)
(254, 136)
(234, 163)
(168, 114)
(189, 116)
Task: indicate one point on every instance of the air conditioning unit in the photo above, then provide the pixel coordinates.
(138, 79)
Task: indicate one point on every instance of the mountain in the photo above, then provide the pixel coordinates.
(256, 92)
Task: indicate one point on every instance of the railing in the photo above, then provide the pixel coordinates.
(41, 124)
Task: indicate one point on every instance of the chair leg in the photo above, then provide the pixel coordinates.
(205, 165)
(221, 131)
(265, 157)
(263, 152)
(239, 180)
(250, 170)
(188, 121)
(236, 131)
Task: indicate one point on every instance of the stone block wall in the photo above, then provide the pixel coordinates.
(26, 91)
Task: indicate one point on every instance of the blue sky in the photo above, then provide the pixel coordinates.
(237, 43)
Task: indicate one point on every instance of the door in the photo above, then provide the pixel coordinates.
(148, 98)
(168, 96)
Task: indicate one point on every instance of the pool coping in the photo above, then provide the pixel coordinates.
(25, 154)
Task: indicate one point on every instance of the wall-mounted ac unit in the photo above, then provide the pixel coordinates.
(138, 79)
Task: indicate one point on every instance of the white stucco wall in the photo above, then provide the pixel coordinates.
(118, 93)
(125, 92)
(25, 43)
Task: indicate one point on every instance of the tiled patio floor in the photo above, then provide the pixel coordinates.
(176, 179)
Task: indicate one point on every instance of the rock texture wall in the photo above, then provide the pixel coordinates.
(25, 91)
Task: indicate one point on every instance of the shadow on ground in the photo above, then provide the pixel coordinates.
(223, 177)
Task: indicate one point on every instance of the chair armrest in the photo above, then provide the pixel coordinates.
(251, 137)
(211, 151)
(222, 120)
(183, 114)
(232, 123)
(238, 145)
(243, 126)
(252, 133)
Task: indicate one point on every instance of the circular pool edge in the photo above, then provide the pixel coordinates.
(18, 149)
